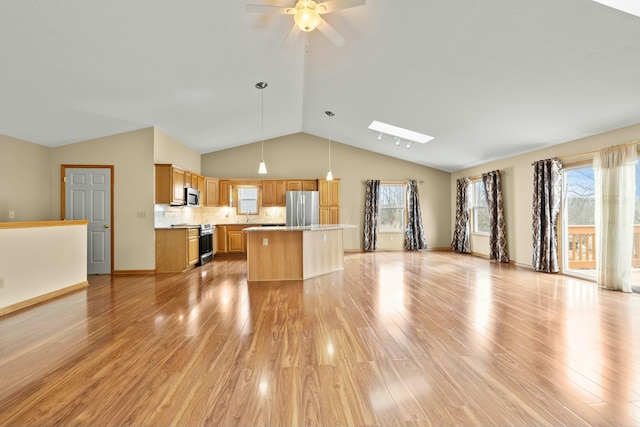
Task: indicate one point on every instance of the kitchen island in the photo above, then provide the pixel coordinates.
(294, 253)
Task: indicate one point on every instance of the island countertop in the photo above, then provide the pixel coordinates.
(316, 227)
(294, 253)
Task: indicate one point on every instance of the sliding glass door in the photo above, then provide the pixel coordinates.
(578, 224)
(579, 230)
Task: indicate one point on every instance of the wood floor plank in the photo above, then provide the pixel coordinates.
(394, 339)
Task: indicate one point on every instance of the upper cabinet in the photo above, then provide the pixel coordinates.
(170, 184)
(223, 191)
(302, 185)
(273, 192)
(216, 192)
(309, 185)
(211, 192)
(192, 180)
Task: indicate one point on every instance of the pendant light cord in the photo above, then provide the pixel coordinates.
(262, 123)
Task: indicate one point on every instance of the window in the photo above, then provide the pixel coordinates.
(392, 207)
(247, 200)
(480, 211)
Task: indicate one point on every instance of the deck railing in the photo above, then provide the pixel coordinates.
(581, 247)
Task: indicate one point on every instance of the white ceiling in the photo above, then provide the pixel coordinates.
(488, 79)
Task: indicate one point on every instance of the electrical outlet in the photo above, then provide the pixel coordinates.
(12, 214)
(324, 237)
(141, 214)
(1, 282)
(265, 242)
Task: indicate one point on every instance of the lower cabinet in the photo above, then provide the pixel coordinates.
(221, 239)
(237, 239)
(230, 239)
(177, 249)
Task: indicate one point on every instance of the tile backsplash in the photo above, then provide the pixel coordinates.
(166, 216)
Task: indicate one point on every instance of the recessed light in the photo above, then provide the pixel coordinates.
(401, 133)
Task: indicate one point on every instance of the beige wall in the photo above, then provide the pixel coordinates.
(25, 174)
(167, 149)
(306, 156)
(517, 187)
(61, 261)
(131, 154)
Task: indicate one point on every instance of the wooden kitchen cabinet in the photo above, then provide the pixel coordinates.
(237, 239)
(302, 185)
(329, 214)
(273, 192)
(211, 192)
(329, 192)
(223, 191)
(221, 239)
(329, 201)
(309, 185)
(177, 249)
(170, 184)
(216, 192)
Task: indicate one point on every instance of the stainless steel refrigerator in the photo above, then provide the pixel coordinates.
(303, 208)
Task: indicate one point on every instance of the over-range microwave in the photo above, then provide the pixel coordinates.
(191, 197)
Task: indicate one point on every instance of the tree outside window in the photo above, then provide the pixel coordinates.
(481, 223)
(392, 207)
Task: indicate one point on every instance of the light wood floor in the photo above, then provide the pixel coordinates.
(402, 339)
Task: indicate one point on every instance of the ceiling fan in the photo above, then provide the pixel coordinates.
(306, 17)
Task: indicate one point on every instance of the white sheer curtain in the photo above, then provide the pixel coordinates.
(615, 203)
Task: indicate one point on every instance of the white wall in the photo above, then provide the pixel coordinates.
(306, 156)
(38, 260)
(131, 154)
(25, 174)
(517, 187)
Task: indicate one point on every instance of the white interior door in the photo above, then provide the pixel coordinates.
(88, 196)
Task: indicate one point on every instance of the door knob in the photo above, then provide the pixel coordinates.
(106, 226)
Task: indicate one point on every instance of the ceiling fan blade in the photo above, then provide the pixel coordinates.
(269, 9)
(331, 33)
(333, 5)
(291, 37)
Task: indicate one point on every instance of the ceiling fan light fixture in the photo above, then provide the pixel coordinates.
(307, 17)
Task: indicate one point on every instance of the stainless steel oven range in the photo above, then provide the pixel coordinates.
(206, 243)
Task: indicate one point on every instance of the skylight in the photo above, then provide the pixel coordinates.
(407, 135)
(628, 6)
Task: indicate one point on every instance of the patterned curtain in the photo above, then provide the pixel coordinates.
(414, 238)
(498, 228)
(371, 210)
(547, 191)
(460, 241)
(615, 172)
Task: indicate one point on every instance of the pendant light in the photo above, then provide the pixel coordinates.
(262, 169)
(329, 174)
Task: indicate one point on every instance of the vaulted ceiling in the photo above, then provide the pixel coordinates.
(488, 79)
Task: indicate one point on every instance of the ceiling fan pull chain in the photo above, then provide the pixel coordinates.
(306, 44)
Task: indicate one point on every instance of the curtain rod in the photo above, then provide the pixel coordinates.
(476, 177)
(364, 181)
(590, 153)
